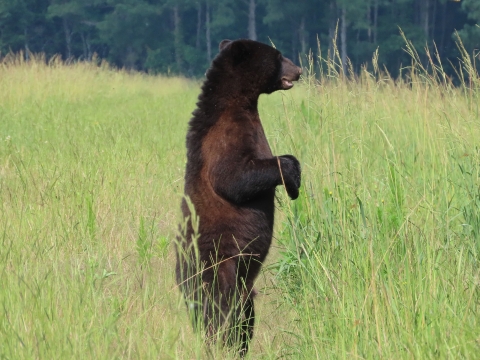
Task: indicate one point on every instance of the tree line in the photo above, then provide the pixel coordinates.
(181, 36)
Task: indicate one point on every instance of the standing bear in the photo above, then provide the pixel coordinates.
(230, 182)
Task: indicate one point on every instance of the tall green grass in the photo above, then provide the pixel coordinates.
(381, 252)
(378, 258)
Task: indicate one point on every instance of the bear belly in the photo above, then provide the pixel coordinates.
(231, 229)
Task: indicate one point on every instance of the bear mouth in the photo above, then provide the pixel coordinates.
(286, 83)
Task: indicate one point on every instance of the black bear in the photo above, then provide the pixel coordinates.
(230, 182)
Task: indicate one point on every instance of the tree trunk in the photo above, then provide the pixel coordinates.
(68, 38)
(331, 31)
(252, 32)
(294, 41)
(207, 33)
(434, 20)
(369, 22)
(199, 25)
(177, 39)
(27, 49)
(84, 44)
(426, 15)
(303, 36)
(89, 48)
(375, 21)
(418, 13)
(343, 38)
(444, 25)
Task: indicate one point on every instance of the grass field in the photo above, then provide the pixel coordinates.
(378, 258)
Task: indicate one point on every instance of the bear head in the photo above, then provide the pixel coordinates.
(253, 68)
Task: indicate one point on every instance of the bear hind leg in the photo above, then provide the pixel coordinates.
(247, 321)
(228, 310)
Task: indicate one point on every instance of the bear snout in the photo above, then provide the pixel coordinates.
(290, 73)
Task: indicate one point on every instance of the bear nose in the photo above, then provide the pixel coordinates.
(299, 72)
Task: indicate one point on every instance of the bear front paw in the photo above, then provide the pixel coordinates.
(291, 172)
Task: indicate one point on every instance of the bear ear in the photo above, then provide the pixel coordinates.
(223, 44)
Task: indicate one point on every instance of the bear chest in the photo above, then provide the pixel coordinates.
(233, 138)
(262, 148)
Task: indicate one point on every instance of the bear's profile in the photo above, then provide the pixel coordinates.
(230, 182)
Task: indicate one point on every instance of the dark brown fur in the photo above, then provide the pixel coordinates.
(230, 180)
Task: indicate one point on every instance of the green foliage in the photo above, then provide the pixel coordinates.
(147, 35)
(160, 61)
(472, 8)
(470, 36)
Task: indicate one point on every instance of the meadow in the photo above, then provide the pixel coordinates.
(377, 258)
